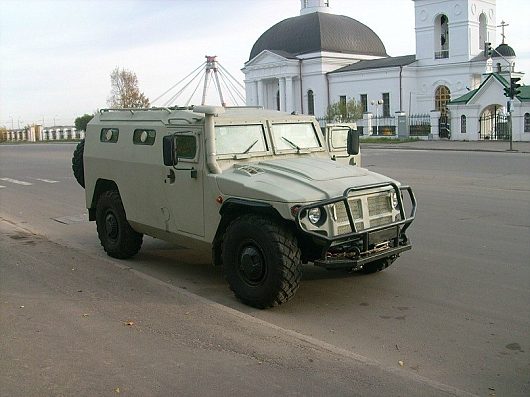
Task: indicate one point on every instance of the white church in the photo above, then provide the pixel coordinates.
(305, 63)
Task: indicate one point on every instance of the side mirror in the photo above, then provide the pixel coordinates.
(352, 144)
(169, 148)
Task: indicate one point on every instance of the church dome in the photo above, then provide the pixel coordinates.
(319, 31)
(505, 50)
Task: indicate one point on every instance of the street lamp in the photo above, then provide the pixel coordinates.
(376, 104)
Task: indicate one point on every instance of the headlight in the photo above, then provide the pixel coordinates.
(314, 215)
(394, 199)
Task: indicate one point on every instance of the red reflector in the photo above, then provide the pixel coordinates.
(219, 199)
(295, 209)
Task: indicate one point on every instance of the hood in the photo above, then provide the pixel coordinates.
(293, 180)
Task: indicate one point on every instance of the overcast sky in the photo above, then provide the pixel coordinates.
(56, 56)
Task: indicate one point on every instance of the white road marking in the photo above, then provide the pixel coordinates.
(16, 181)
(1, 186)
(46, 180)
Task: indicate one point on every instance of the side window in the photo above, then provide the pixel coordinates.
(527, 122)
(386, 104)
(364, 102)
(186, 146)
(310, 102)
(342, 105)
(339, 137)
(463, 126)
(109, 135)
(144, 137)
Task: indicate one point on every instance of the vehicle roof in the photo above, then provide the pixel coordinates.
(188, 116)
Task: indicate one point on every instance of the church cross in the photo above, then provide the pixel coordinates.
(502, 26)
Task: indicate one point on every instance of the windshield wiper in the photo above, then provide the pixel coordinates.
(250, 147)
(294, 145)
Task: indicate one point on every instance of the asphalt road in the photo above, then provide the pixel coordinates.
(454, 311)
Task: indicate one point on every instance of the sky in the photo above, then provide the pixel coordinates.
(56, 56)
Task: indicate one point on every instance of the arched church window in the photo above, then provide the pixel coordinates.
(310, 102)
(463, 126)
(442, 97)
(441, 37)
(527, 122)
(482, 30)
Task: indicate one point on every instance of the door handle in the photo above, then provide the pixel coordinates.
(170, 177)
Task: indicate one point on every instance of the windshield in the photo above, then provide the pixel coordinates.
(295, 136)
(239, 139)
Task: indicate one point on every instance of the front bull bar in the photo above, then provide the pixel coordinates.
(400, 226)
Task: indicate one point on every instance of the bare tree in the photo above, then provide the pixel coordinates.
(124, 90)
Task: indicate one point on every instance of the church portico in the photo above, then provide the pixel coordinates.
(272, 93)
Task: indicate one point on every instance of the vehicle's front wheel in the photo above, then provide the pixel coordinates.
(262, 261)
(117, 237)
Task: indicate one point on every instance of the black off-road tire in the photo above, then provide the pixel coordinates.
(77, 163)
(262, 261)
(117, 237)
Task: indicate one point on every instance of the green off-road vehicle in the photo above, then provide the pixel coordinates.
(258, 188)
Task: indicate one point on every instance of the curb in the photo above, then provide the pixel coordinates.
(399, 147)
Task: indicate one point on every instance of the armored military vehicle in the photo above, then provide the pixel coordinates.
(257, 187)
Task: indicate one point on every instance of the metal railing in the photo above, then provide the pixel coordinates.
(441, 54)
(419, 124)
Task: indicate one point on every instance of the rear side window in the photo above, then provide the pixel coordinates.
(144, 137)
(109, 135)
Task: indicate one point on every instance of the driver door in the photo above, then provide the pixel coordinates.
(184, 186)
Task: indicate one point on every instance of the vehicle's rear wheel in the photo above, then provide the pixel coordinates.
(77, 163)
(117, 237)
(262, 261)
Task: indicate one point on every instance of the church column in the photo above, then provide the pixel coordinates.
(282, 93)
(289, 106)
(255, 94)
(260, 93)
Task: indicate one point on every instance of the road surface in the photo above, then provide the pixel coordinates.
(450, 316)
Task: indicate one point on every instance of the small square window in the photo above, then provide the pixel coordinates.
(109, 135)
(144, 137)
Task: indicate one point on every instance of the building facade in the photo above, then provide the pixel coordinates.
(308, 62)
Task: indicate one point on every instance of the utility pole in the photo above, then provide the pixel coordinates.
(376, 104)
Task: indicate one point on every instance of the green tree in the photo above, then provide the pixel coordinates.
(82, 121)
(124, 90)
(350, 110)
(3, 134)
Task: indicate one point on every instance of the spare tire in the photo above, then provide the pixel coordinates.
(77, 163)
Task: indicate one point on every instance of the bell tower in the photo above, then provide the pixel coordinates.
(309, 6)
(453, 30)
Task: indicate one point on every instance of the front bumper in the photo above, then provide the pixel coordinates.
(355, 249)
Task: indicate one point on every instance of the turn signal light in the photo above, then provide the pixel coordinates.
(295, 210)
